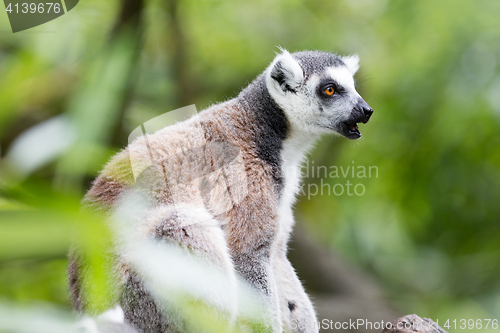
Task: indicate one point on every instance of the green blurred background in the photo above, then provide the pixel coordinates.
(427, 228)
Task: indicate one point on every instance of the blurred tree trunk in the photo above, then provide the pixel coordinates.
(129, 17)
(129, 24)
(130, 21)
(179, 64)
(340, 292)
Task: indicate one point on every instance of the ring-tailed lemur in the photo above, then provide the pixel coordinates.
(267, 129)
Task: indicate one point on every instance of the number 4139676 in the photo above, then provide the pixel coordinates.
(471, 324)
(40, 8)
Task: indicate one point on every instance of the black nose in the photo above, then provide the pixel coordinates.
(368, 112)
(364, 110)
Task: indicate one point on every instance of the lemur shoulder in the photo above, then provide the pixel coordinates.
(234, 167)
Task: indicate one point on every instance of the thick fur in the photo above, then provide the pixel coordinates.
(222, 184)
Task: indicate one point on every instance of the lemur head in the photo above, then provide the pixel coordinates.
(316, 91)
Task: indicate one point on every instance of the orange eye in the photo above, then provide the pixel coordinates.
(329, 91)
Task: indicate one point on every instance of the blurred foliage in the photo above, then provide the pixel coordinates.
(428, 226)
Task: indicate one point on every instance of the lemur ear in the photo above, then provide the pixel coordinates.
(287, 72)
(352, 63)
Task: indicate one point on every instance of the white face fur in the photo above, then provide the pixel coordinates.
(322, 100)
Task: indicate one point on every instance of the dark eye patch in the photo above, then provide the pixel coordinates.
(327, 83)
